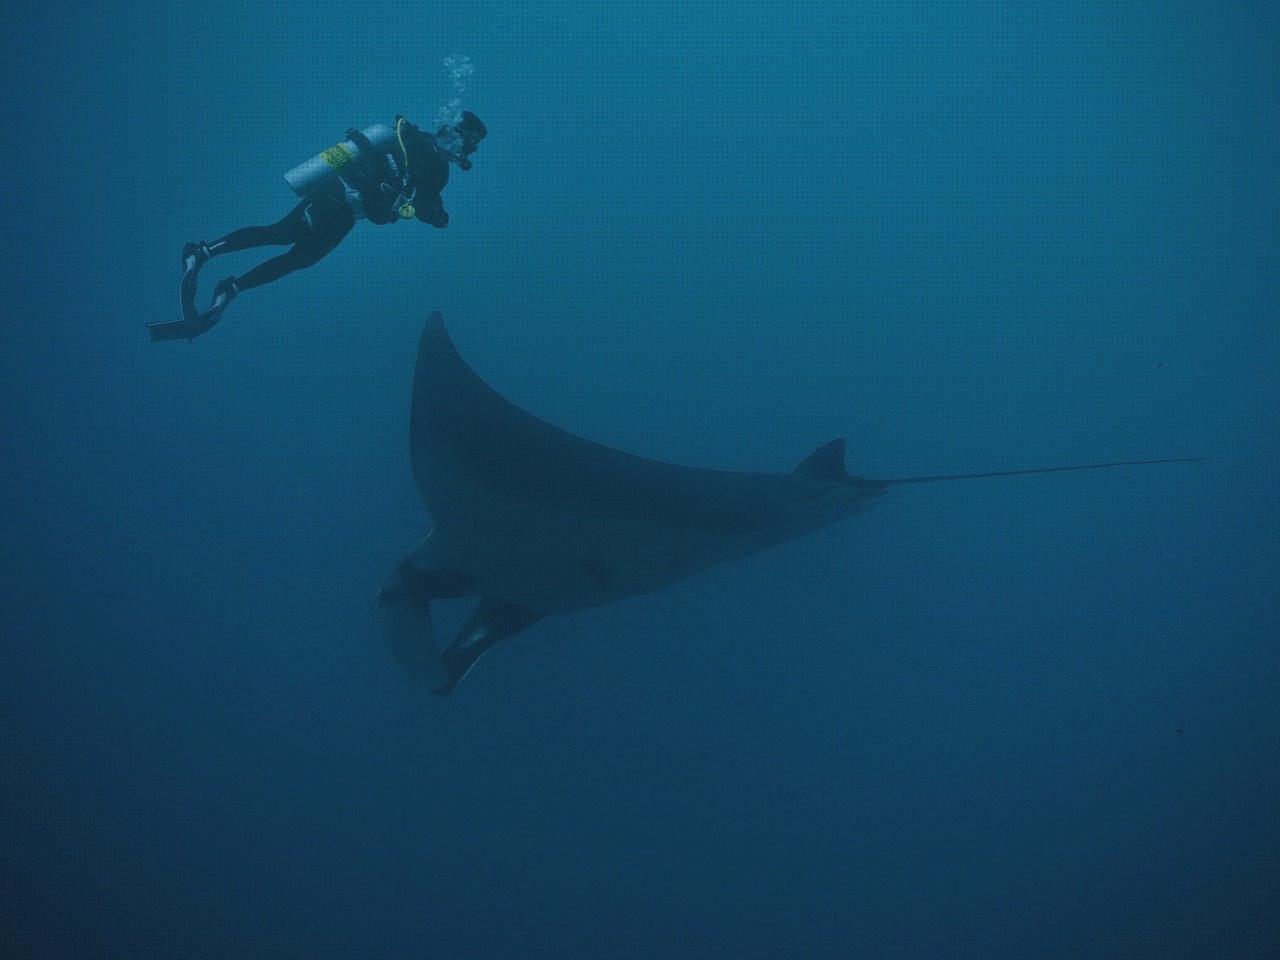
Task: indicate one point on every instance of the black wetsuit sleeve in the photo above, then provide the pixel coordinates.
(430, 209)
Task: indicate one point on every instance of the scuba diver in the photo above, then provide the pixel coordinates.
(382, 174)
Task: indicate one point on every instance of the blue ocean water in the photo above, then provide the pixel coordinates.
(1018, 718)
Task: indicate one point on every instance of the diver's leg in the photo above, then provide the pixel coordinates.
(276, 234)
(288, 229)
(324, 222)
(314, 227)
(194, 321)
(302, 255)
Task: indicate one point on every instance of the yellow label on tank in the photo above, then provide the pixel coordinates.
(337, 156)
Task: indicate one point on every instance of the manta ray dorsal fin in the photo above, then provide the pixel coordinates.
(825, 463)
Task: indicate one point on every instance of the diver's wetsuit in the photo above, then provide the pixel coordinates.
(314, 226)
(321, 220)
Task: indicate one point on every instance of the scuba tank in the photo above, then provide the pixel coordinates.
(343, 156)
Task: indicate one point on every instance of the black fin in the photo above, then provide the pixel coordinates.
(187, 329)
(825, 463)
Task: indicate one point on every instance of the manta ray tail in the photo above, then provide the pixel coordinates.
(1018, 473)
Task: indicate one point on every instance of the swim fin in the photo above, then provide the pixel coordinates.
(194, 256)
(193, 322)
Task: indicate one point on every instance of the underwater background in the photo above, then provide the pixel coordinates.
(1033, 717)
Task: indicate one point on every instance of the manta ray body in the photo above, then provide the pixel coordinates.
(536, 521)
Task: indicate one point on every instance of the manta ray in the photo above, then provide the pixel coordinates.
(538, 522)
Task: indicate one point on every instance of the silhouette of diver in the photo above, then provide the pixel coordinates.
(380, 174)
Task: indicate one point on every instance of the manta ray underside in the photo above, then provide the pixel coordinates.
(536, 521)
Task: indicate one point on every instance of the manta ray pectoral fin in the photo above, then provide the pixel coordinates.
(825, 463)
(404, 617)
(492, 621)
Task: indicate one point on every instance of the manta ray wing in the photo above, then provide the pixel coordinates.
(462, 432)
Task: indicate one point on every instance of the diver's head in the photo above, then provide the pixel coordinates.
(459, 140)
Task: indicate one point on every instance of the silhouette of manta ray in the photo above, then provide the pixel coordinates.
(536, 521)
